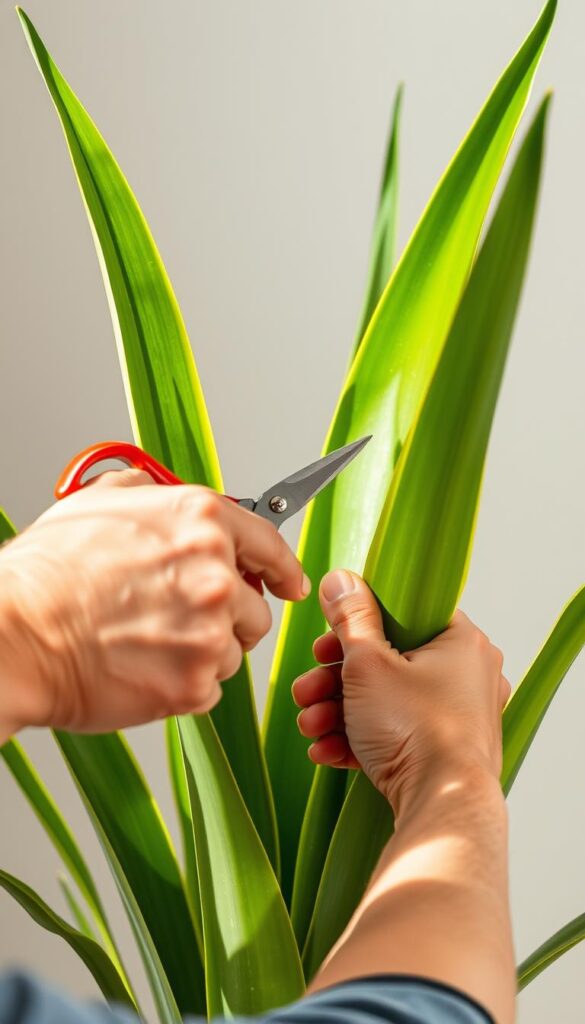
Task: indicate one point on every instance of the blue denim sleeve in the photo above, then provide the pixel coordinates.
(383, 999)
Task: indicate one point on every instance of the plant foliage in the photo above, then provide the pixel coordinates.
(261, 830)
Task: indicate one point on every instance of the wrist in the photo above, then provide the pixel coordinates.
(466, 782)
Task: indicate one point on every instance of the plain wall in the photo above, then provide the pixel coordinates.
(252, 133)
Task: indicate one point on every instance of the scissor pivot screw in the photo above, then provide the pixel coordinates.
(278, 504)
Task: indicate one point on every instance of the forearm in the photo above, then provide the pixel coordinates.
(437, 904)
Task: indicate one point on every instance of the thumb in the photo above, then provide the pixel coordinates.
(351, 609)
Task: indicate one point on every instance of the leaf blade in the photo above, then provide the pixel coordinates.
(385, 226)
(94, 957)
(59, 833)
(163, 390)
(140, 855)
(180, 787)
(251, 958)
(418, 558)
(7, 528)
(347, 869)
(77, 912)
(528, 704)
(145, 314)
(561, 942)
(386, 383)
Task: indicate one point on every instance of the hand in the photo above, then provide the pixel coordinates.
(126, 603)
(399, 716)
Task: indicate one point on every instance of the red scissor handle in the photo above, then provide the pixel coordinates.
(72, 477)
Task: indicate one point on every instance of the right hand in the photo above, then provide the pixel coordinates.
(125, 602)
(399, 716)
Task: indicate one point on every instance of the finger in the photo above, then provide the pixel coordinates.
(252, 616)
(321, 718)
(317, 684)
(207, 705)
(333, 750)
(198, 692)
(127, 477)
(328, 649)
(230, 661)
(505, 691)
(498, 656)
(351, 609)
(261, 550)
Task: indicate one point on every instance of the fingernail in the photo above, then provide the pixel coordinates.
(337, 584)
(306, 585)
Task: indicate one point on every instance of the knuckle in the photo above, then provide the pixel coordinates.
(353, 615)
(202, 537)
(198, 503)
(219, 587)
(217, 541)
(215, 638)
(208, 586)
(260, 615)
(267, 613)
(258, 628)
(479, 639)
(498, 656)
(231, 662)
(194, 688)
(206, 643)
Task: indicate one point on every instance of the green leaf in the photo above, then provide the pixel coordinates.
(58, 831)
(561, 942)
(163, 391)
(348, 867)
(53, 822)
(236, 722)
(385, 227)
(529, 702)
(164, 998)
(251, 957)
(323, 806)
(7, 528)
(384, 388)
(139, 851)
(76, 910)
(164, 394)
(94, 957)
(418, 558)
(177, 772)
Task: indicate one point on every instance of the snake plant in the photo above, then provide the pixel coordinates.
(275, 852)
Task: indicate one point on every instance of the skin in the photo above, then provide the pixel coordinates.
(126, 603)
(425, 726)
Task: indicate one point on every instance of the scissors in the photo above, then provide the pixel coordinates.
(277, 504)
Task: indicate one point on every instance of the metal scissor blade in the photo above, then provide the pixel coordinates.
(290, 495)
